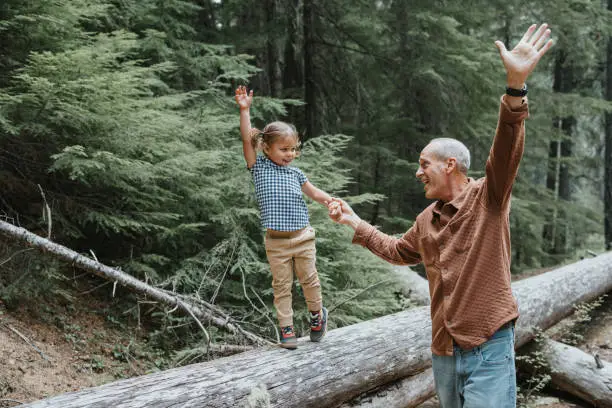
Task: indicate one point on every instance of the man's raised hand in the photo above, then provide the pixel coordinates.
(524, 57)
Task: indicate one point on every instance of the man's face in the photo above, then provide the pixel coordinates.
(434, 174)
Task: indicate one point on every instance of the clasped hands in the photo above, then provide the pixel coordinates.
(342, 213)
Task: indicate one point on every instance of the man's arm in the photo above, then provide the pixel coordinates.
(398, 251)
(507, 149)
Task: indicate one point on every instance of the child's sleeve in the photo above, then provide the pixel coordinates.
(253, 167)
(301, 177)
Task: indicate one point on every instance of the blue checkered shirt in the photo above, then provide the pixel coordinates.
(279, 193)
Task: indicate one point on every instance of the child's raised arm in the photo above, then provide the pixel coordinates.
(244, 99)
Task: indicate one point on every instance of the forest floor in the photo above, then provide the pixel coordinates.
(49, 348)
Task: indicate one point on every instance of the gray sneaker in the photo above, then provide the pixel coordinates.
(318, 325)
(287, 338)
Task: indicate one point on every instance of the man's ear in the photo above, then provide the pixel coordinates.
(451, 165)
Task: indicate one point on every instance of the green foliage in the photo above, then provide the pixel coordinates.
(26, 277)
(122, 112)
(538, 377)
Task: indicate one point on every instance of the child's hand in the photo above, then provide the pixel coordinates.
(243, 97)
(335, 209)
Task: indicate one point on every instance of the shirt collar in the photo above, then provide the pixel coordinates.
(456, 202)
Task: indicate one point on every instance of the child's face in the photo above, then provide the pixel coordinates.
(282, 151)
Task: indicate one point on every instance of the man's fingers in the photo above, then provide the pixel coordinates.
(528, 33)
(546, 47)
(542, 40)
(536, 37)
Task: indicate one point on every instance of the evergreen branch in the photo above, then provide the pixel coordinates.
(214, 296)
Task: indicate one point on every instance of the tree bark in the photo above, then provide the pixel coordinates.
(350, 361)
(202, 310)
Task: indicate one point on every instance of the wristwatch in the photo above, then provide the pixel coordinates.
(517, 92)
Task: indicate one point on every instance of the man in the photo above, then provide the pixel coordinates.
(464, 241)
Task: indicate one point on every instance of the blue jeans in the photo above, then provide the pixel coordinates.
(481, 377)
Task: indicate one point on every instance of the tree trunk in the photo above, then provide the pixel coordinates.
(276, 41)
(350, 361)
(608, 152)
(200, 311)
(293, 69)
(558, 180)
(579, 373)
(310, 76)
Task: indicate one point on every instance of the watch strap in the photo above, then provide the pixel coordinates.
(517, 92)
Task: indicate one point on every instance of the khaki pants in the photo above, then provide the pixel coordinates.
(288, 252)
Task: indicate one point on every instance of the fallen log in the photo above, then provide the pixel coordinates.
(578, 373)
(349, 362)
(196, 308)
(405, 393)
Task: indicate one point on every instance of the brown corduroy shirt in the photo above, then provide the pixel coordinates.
(465, 246)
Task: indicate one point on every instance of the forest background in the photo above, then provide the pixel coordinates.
(118, 116)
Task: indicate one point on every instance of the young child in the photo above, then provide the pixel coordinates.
(289, 240)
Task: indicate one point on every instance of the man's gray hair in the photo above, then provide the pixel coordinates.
(445, 147)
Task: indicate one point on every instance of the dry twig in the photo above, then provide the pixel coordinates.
(24, 338)
(11, 400)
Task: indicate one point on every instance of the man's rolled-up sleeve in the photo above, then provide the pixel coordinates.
(398, 251)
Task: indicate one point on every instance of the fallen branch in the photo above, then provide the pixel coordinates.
(208, 312)
(11, 400)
